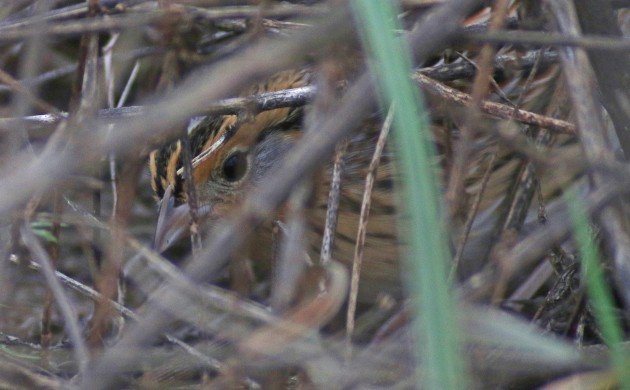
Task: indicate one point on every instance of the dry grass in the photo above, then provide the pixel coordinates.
(88, 90)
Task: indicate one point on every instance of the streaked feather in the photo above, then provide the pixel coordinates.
(268, 135)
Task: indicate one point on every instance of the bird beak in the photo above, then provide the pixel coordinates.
(173, 222)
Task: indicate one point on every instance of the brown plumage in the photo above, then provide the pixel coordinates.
(249, 148)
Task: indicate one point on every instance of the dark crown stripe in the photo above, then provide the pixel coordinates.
(207, 129)
(293, 121)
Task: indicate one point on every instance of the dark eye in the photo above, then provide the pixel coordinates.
(235, 166)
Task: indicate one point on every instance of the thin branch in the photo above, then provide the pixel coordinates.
(72, 11)
(69, 69)
(109, 274)
(486, 57)
(593, 136)
(124, 95)
(519, 198)
(277, 11)
(23, 28)
(66, 309)
(157, 126)
(529, 249)
(310, 314)
(472, 213)
(107, 57)
(363, 221)
(495, 85)
(603, 43)
(290, 265)
(294, 97)
(612, 69)
(526, 182)
(271, 100)
(506, 62)
(455, 194)
(426, 38)
(534, 282)
(299, 96)
(334, 196)
(191, 194)
(18, 87)
(497, 110)
(83, 26)
(211, 295)
(95, 296)
(53, 250)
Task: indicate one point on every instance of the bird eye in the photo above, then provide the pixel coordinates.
(235, 166)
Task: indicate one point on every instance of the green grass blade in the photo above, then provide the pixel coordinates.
(437, 328)
(598, 291)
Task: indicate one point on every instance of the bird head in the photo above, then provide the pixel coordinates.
(232, 154)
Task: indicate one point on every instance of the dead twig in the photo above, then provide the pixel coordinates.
(68, 69)
(507, 62)
(550, 39)
(309, 315)
(429, 36)
(18, 87)
(65, 307)
(72, 11)
(363, 221)
(612, 69)
(530, 248)
(455, 194)
(269, 100)
(293, 259)
(53, 251)
(95, 296)
(159, 123)
(471, 216)
(497, 110)
(191, 194)
(210, 295)
(592, 133)
(83, 26)
(275, 11)
(525, 184)
(266, 101)
(330, 227)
